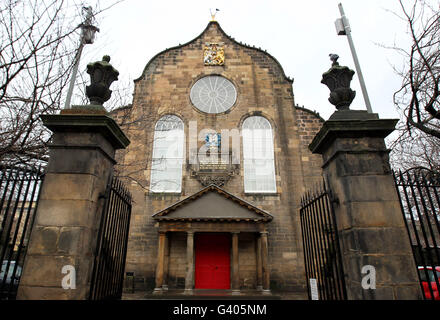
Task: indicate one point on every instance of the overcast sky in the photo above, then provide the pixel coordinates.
(299, 34)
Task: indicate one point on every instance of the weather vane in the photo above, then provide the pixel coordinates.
(213, 14)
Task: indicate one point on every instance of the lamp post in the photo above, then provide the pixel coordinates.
(87, 37)
(343, 28)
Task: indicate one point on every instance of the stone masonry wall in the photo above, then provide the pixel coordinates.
(309, 124)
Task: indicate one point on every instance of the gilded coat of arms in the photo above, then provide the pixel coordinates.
(214, 54)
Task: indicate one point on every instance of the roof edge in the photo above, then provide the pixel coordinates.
(266, 216)
(315, 113)
(227, 36)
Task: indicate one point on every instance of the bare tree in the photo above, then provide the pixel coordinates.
(38, 42)
(419, 94)
(414, 150)
(417, 100)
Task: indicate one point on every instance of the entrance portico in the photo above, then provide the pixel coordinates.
(210, 214)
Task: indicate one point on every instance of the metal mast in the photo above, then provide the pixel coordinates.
(343, 28)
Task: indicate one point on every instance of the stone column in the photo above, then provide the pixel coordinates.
(160, 261)
(61, 251)
(369, 219)
(189, 280)
(235, 264)
(166, 263)
(265, 262)
(259, 263)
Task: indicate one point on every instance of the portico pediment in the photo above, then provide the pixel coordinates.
(213, 204)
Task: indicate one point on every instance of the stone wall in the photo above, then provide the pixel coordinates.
(247, 260)
(177, 263)
(309, 124)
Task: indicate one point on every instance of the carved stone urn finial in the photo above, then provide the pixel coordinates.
(338, 79)
(102, 74)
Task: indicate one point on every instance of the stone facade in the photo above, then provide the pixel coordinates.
(262, 89)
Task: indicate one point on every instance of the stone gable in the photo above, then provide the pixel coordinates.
(262, 89)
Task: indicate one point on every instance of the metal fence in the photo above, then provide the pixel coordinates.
(322, 254)
(111, 250)
(419, 194)
(19, 190)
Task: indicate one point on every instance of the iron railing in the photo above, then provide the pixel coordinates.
(419, 194)
(19, 191)
(322, 253)
(108, 271)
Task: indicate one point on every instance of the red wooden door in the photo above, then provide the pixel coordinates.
(212, 261)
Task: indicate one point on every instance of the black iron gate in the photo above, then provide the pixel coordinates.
(19, 190)
(324, 271)
(111, 250)
(419, 194)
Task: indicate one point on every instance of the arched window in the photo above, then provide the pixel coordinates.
(168, 154)
(258, 156)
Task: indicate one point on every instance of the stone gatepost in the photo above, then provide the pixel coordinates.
(375, 247)
(60, 257)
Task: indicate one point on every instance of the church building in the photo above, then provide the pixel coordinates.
(217, 165)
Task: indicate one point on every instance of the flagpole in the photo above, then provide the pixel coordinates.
(355, 58)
